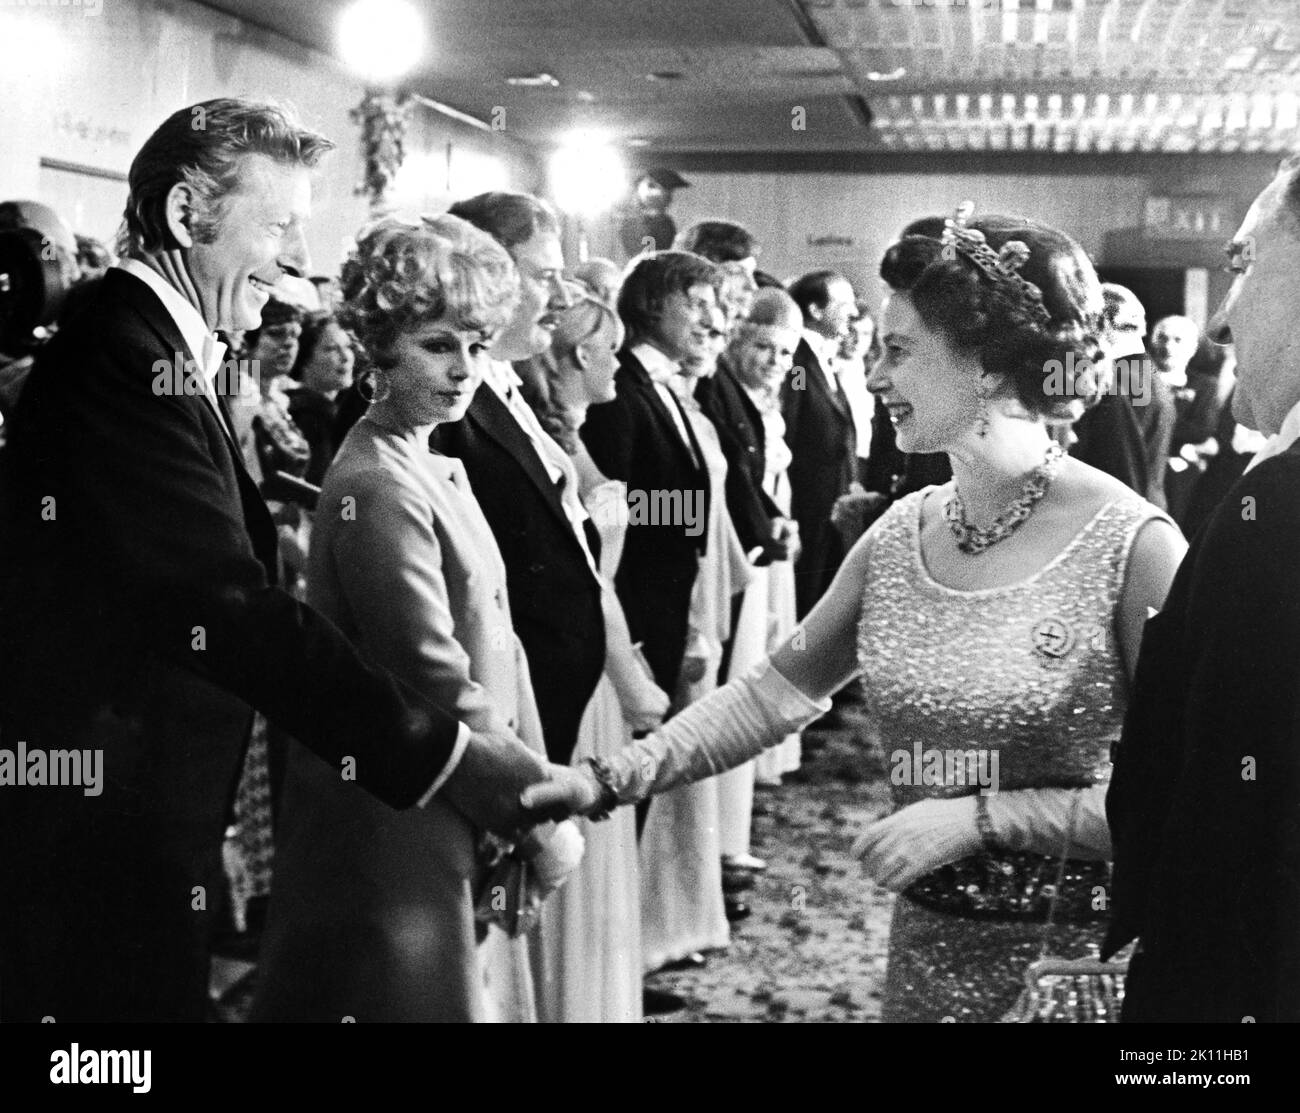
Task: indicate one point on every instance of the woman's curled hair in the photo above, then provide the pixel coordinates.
(407, 273)
(1049, 365)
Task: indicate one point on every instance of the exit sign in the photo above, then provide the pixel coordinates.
(1189, 218)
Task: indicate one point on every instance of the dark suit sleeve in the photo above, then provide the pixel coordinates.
(609, 433)
(1202, 803)
(138, 469)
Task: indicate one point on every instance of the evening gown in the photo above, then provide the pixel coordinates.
(779, 615)
(588, 955)
(1030, 671)
(682, 908)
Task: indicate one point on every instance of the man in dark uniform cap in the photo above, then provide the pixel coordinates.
(647, 226)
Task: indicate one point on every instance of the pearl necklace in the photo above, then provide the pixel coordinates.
(973, 539)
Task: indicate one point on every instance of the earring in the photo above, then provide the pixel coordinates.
(983, 412)
(378, 387)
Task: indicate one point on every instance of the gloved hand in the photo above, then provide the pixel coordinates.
(921, 837)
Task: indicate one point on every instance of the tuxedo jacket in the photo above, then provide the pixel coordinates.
(140, 618)
(554, 596)
(725, 402)
(634, 438)
(819, 430)
(1204, 803)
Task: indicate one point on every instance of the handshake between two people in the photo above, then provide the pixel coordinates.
(502, 786)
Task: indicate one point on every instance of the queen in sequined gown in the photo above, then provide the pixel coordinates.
(1028, 674)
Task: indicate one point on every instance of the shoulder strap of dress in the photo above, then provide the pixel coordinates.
(1129, 516)
(900, 518)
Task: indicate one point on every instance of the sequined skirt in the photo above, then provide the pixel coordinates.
(1015, 886)
(962, 936)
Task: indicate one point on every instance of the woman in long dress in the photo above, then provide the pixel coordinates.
(995, 621)
(682, 906)
(762, 354)
(588, 958)
(374, 911)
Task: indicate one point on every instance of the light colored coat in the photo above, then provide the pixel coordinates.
(372, 910)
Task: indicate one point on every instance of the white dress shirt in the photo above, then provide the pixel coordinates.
(661, 370)
(205, 348)
(208, 351)
(862, 405)
(1280, 441)
(505, 382)
(827, 350)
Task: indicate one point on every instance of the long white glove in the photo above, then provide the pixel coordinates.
(1037, 820)
(723, 730)
(923, 836)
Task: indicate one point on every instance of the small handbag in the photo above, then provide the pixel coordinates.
(1068, 990)
(505, 896)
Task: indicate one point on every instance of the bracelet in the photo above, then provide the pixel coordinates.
(983, 824)
(608, 793)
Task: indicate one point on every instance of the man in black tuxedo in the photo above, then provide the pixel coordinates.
(140, 621)
(646, 225)
(513, 467)
(819, 430)
(643, 437)
(1204, 804)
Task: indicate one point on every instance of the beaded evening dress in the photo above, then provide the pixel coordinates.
(1031, 673)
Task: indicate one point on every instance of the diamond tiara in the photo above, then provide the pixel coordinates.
(1001, 266)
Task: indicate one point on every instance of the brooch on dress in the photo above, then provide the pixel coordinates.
(1053, 638)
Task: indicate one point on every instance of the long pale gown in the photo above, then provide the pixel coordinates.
(587, 966)
(1030, 673)
(767, 618)
(681, 857)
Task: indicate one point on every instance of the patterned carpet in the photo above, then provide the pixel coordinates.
(813, 948)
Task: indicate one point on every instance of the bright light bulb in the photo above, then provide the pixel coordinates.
(588, 176)
(381, 39)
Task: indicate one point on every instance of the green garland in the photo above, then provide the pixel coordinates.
(384, 119)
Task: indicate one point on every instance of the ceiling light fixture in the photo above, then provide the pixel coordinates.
(381, 39)
(587, 175)
(534, 81)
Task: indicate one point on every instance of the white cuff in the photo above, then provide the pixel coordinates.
(457, 752)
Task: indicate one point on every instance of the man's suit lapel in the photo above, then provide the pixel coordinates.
(493, 417)
(817, 382)
(159, 320)
(640, 378)
(256, 516)
(745, 405)
(699, 473)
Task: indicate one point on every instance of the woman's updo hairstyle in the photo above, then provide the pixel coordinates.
(574, 326)
(1051, 365)
(406, 273)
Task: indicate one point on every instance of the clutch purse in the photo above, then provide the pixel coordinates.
(1068, 990)
(506, 897)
